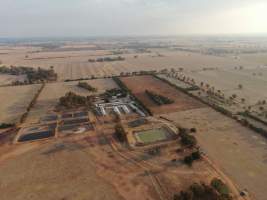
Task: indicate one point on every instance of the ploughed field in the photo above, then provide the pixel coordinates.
(139, 84)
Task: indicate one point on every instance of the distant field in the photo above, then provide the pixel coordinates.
(140, 84)
(74, 64)
(14, 101)
(254, 86)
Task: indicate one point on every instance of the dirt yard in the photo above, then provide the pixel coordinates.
(140, 84)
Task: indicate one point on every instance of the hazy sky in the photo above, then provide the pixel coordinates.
(25, 18)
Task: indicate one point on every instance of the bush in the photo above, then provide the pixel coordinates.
(86, 86)
(71, 100)
(120, 133)
(191, 158)
(196, 155)
(219, 186)
(188, 140)
(4, 125)
(200, 192)
(193, 130)
(188, 160)
(159, 99)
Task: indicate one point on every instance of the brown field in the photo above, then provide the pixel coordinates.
(14, 101)
(94, 165)
(8, 79)
(74, 64)
(254, 86)
(87, 167)
(140, 84)
(240, 152)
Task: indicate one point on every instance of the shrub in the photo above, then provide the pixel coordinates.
(159, 99)
(86, 86)
(4, 125)
(193, 130)
(71, 100)
(200, 192)
(188, 160)
(219, 186)
(120, 133)
(196, 155)
(188, 140)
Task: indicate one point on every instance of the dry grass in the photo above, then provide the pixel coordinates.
(238, 151)
(8, 79)
(254, 86)
(74, 64)
(60, 171)
(14, 101)
(140, 84)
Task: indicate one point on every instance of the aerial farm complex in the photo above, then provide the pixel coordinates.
(151, 123)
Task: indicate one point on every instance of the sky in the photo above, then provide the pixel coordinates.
(70, 18)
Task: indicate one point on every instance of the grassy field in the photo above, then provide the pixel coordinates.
(153, 135)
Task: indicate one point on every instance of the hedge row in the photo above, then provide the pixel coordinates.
(32, 103)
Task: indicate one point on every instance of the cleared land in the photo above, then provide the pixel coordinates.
(73, 64)
(83, 167)
(14, 101)
(139, 84)
(60, 171)
(9, 79)
(254, 82)
(240, 152)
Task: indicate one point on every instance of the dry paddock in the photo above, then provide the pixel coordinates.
(14, 101)
(238, 151)
(139, 84)
(74, 64)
